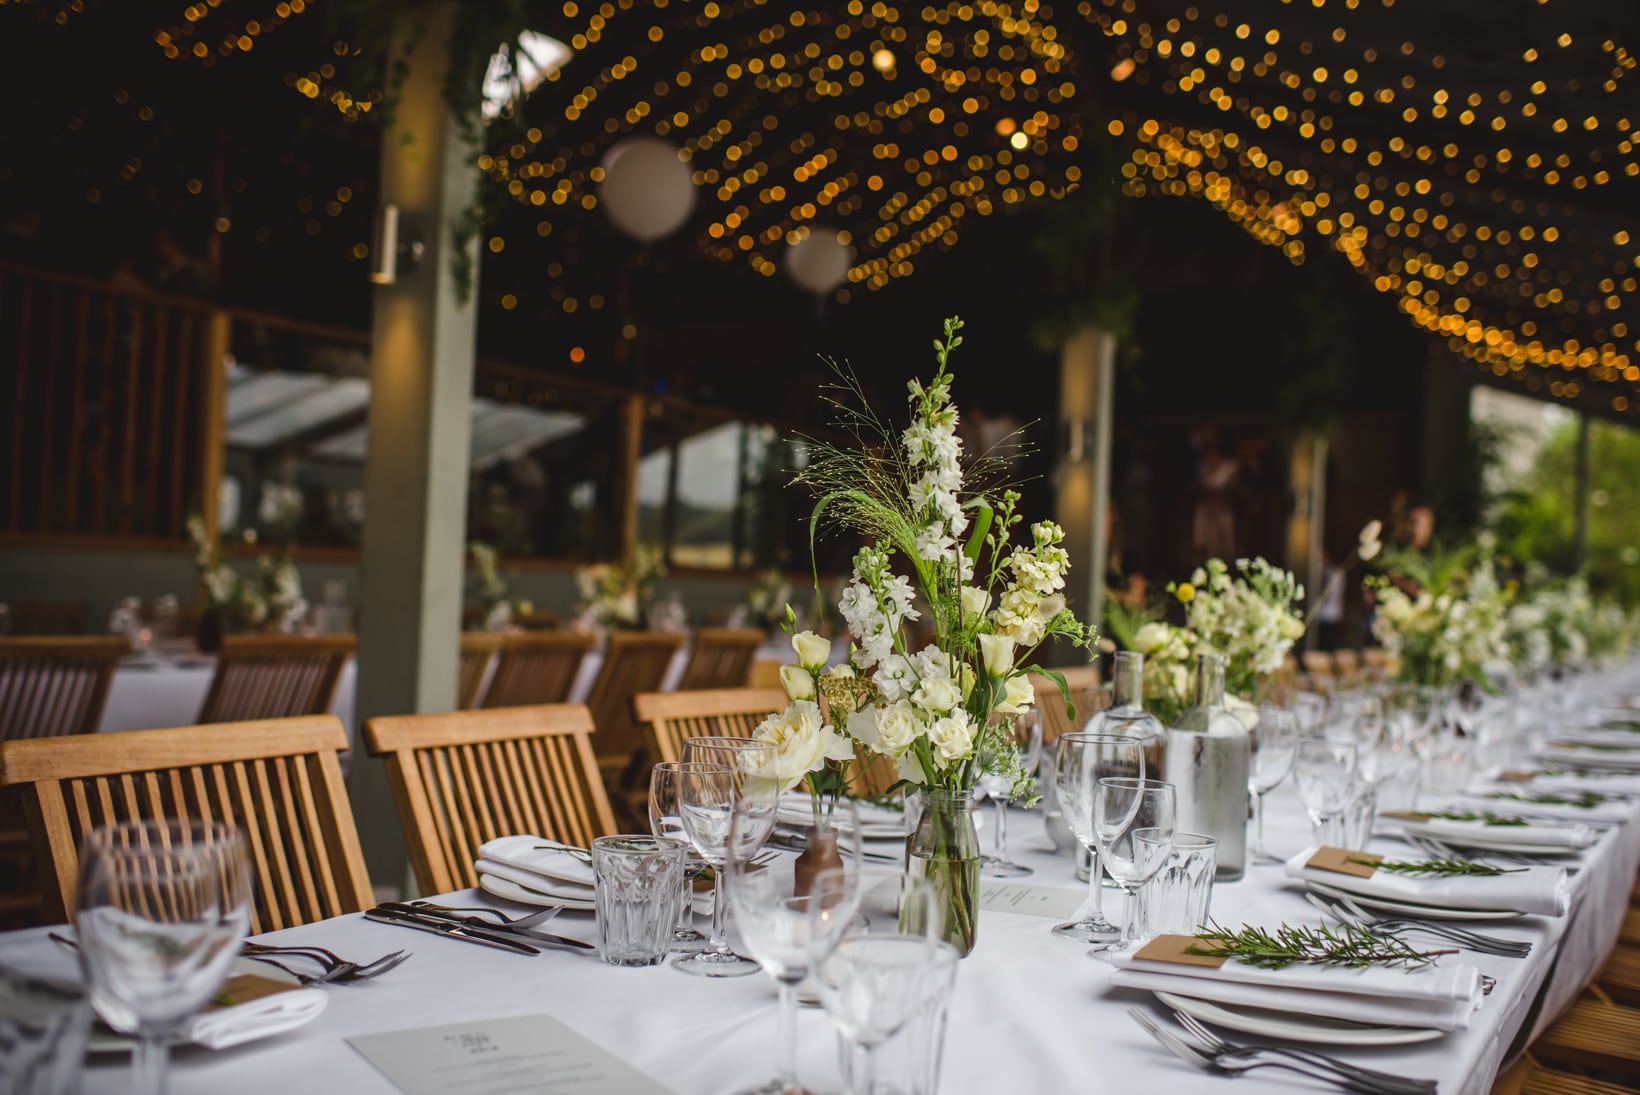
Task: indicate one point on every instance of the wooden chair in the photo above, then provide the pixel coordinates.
(478, 650)
(464, 778)
(533, 667)
(1319, 663)
(670, 717)
(1086, 695)
(275, 676)
(721, 658)
(55, 686)
(1348, 663)
(278, 779)
(1375, 662)
(634, 662)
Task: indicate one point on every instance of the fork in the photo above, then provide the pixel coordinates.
(1234, 1063)
(1342, 908)
(1217, 1044)
(336, 970)
(534, 919)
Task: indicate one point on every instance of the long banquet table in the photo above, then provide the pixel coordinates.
(1031, 1012)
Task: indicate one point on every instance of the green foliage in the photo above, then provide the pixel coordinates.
(1345, 945)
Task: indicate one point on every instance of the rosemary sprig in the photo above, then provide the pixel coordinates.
(1585, 800)
(1345, 945)
(1487, 817)
(1444, 867)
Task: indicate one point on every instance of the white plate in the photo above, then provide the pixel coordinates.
(1295, 1027)
(512, 891)
(1411, 908)
(1481, 843)
(105, 1040)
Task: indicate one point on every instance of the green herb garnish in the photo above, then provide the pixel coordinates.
(1444, 867)
(1586, 800)
(1346, 945)
(1487, 817)
(222, 1000)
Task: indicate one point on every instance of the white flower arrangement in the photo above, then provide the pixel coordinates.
(1447, 622)
(274, 599)
(612, 595)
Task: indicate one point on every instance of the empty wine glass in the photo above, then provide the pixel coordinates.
(1024, 737)
(666, 819)
(1272, 741)
(874, 987)
(1083, 760)
(163, 907)
(1325, 773)
(788, 933)
(1134, 820)
(706, 806)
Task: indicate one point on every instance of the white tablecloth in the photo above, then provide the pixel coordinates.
(143, 697)
(1031, 1013)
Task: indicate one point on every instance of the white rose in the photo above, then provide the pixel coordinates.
(998, 651)
(812, 651)
(803, 744)
(1151, 638)
(952, 737)
(975, 601)
(797, 681)
(1017, 696)
(897, 728)
(936, 694)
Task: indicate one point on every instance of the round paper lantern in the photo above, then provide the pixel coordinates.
(647, 190)
(819, 261)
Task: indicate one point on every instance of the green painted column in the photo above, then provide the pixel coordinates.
(1087, 375)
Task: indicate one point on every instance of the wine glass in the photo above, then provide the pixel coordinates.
(1134, 820)
(788, 932)
(1083, 760)
(874, 987)
(666, 819)
(1024, 737)
(1272, 741)
(706, 806)
(1325, 773)
(162, 909)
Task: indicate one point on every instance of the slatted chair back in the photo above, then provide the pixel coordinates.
(721, 658)
(55, 686)
(634, 662)
(670, 718)
(275, 676)
(478, 649)
(464, 778)
(535, 667)
(279, 780)
(1319, 663)
(1082, 681)
(1348, 663)
(1375, 662)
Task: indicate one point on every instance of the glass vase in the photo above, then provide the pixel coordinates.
(944, 849)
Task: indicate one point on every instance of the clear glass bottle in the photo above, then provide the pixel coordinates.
(1207, 758)
(1127, 715)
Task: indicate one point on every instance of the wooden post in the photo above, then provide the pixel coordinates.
(1087, 385)
(1306, 521)
(416, 469)
(213, 432)
(631, 452)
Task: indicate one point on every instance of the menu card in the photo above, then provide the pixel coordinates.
(522, 1055)
(1010, 897)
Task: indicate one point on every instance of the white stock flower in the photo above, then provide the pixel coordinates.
(803, 744)
(812, 650)
(797, 681)
(894, 678)
(998, 652)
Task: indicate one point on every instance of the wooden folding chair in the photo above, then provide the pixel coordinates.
(721, 658)
(1319, 664)
(533, 667)
(1348, 664)
(55, 686)
(634, 662)
(279, 780)
(671, 717)
(464, 778)
(275, 676)
(1089, 699)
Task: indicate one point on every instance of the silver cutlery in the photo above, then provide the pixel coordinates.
(472, 929)
(1236, 1062)
(336, 970)
(1213, 1042)
(1442, 850)
(1342, 908)
(503, 920)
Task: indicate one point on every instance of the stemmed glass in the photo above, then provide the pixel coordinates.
(1134, 819)
(1025, 735)
(163, 907)
(873, 986)
(1083, 760)
(1272, 739)
(706, 801)
(789, 934)
(666, 819)
(1325, 773)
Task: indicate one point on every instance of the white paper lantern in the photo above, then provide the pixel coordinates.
(819, 261)
(647, 191)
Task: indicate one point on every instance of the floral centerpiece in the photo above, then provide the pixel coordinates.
(614, 595)
(490, 589)
(1444, 622)
(271, 599)
(940, 553)
(767, 600)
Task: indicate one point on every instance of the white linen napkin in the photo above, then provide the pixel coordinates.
(1613, 783)
(1599, 735)
(1613, 809)
(1542, 890)
(797, 808)
(1548, 835)
(1579, 757)
(261, 1018)
(538, 863)
(1442, 997)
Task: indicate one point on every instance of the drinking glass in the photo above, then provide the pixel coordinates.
(666, 819)
(1309, 710)
(43, 1029)
(888, 996)
(789, 934)
(1325, 773)
(637, 882)
(1082, 761)
(162, 909)
(1134, 820)
(1272, 740)
(1177, 899)
(706, 805)
(1023, 735)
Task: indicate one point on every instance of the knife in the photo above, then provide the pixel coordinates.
(449, 928)
(484, 927)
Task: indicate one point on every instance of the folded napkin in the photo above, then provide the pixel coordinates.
(262, 1017)
(1614, 783)
(876, 821)
(538, 863)
(1583, 756)
(1613, 809)
(1542, 890)
(1442, 996)
(1547, 835)
(1617, 736)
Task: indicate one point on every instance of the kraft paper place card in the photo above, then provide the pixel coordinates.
(1341, 860)
(1173, 948)
(522, 1055)
(1050, 901)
